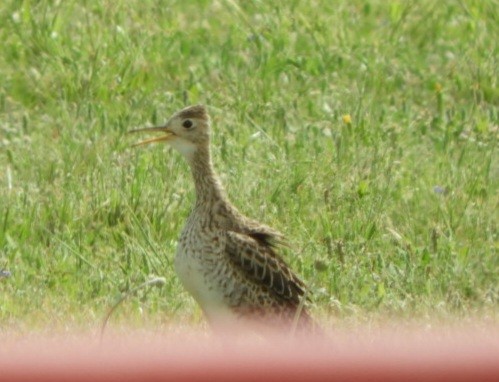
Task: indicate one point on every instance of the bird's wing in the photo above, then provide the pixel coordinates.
(266, 237)
(259, 263)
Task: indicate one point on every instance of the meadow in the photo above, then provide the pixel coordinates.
(366, 131)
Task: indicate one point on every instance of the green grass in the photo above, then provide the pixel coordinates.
(393, 214)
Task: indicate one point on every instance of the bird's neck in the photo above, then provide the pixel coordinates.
(209, 190)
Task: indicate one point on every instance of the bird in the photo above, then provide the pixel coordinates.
(228, 262)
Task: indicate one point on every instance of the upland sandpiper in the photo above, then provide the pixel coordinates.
(228, 262)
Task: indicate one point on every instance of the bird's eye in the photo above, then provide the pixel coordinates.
(187, 123)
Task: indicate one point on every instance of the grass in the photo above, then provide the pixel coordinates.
(366, 131)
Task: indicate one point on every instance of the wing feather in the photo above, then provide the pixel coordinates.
(259, 262)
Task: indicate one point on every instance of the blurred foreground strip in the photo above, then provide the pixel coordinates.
(444, 354)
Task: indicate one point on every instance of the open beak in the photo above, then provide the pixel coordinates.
(163, 129)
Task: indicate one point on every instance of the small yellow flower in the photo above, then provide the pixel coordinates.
(347, 119)
(438, 87)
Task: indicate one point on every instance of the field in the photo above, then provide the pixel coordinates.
(366, 131)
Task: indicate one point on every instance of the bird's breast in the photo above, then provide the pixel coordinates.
(198, 264)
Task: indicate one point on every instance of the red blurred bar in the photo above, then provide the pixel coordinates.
(436, 355)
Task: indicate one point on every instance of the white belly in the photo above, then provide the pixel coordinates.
(195, 271)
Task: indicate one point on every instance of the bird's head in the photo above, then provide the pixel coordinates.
(187, 131)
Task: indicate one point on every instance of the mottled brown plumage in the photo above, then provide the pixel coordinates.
(228, 262)
(196, 111)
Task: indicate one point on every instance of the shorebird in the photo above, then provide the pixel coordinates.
(229, 263)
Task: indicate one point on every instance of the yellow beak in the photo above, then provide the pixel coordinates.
(169, 135)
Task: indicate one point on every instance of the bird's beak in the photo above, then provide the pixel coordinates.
(163, 129)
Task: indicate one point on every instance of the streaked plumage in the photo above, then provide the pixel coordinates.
(228, 262)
